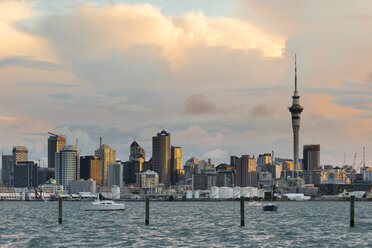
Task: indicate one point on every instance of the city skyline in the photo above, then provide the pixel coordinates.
(217, 96)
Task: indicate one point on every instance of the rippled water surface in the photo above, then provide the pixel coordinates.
(183, 224)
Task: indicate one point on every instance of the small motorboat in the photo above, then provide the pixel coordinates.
(254, 204)
(104, 206)
(269, 207)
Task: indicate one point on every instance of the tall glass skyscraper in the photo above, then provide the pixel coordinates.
(161, 156)
(67, 163)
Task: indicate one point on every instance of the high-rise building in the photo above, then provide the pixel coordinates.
(161, 156)
(25, 174)
(55, 143)
(245, 168)
(136, 152)
(7, 170)
(311, 160)
(130, 171)
(115, 174)
(175, 164)
(44, 175)
(264, 159)
(91, 168)
(107, 155)
(67, 163)
(296, 110)
(20, 154)
(190, 167)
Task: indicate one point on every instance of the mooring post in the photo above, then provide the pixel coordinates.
(60, 210)
(242, 211)
(352, 203)
(147, 218)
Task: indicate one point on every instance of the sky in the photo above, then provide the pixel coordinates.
(218, 75)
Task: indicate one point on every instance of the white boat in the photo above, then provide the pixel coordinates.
(104, 206)
(254, 204)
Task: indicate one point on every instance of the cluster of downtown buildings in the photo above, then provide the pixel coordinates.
(164, 173)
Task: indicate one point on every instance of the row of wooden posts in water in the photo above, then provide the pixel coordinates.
(242, 211)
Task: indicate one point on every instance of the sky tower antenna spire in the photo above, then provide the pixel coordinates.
(295, 73)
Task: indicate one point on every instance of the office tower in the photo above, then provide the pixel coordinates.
(20, 153)
(67, 163)
(115, 174)
(137, 156)
(91, 168)
(175, 164)
(44, 175)
(296, 110)
(311, 160)
(136, 152)
(55, 143)
(190, 167)
(264, 159)
(245, 168)
(130, 171)
(25, 174)
(7, 170)
(107, 155)
(161, 156)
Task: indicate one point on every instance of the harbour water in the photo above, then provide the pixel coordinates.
(184, 224)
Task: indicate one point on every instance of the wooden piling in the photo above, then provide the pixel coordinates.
(352, 204)
(60, 210)
(147, 218)
(242, 222)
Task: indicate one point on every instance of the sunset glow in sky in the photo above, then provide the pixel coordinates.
(218, 78)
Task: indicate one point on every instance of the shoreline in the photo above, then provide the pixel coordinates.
(193, 200)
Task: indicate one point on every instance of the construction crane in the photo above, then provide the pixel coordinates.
(364, 160)
(354, 160)
(344, 159)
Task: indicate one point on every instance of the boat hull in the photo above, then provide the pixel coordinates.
(101, 206)
(270, 207)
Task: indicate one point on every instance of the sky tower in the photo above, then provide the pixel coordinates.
(295, 110)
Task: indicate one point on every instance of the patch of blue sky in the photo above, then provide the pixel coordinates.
(210, 8)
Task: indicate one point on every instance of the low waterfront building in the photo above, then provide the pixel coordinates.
(11, 196)
(205, 181)
(312, 177)
(82, 186)
(149, 180)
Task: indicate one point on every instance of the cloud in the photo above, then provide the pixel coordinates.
(13, 11)
(121, 26)
(216, 154)
(195, 134)
(199, 104)
(26, 61)
(216, 83)
(260, 110)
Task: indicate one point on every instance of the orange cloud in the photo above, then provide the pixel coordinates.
(111, 28)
